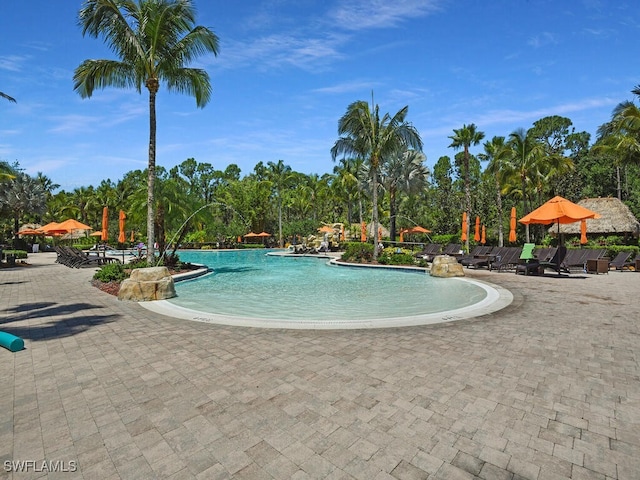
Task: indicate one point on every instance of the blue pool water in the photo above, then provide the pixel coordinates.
(249, 283)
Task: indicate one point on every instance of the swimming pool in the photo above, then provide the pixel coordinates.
(251, 288)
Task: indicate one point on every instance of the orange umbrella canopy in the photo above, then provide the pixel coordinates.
(418, 229)
(512, 225)
(476, 235)
(558, 210)
(72, 224)
(121, 218)
(96, 234)
(251, 234)
(105, 224)
(53, 228)
(463, 237)
(263, 234)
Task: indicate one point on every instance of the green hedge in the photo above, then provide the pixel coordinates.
(357, 252)
(19, 254)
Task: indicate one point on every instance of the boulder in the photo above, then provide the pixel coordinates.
(145, 284)
(445, 266)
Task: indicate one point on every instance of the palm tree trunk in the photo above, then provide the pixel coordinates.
(374, 200)
(467, 194)
(279, 221)
(392, 214)
(152, 85)
(500, 214)
(619, 183)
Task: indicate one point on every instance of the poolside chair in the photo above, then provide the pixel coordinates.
(429, 251)
(556, 263)
(452, 249)
(484, 259)
(478, 251)
(621, 261)
(528, 263)
(508, 260)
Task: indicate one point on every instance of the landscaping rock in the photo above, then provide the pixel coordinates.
(146, 284)
(445, 266)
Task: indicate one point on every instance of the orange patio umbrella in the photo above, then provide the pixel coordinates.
(121, 218)
(402, 232)
(583, 231)
(512, 226)
(53, 228)
(363, 232)
(418, 229)
(476, 235)
(105, 224)
(463, 237)
(239, 239)
(251, 234)
(558, 210)
(263, 234)
(72, 224)
(325, 229)
(483, 239)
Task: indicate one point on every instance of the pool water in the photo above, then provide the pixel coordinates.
(249, 283)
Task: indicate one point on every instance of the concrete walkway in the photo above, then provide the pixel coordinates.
(548, 388)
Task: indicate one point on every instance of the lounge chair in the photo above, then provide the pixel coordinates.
(528, 262)
(452, 249)
(507, 260)
(537, 266)
(484, 259)
(429, 251)
(621, 261)
(477, 252)
(576, 259)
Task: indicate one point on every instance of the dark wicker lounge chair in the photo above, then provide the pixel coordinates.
(621, 261)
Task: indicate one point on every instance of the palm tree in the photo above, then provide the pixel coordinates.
(523, 164)
(403, 172)
(496, 153)
(154, 40)
(364, 134)
(21, 196)
(279, 175)
(466, 137)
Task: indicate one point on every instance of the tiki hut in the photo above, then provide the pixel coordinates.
(615, 219)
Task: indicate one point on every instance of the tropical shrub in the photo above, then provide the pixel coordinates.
(18, 254)
(396, 256)
(358, 252)
(111, 272)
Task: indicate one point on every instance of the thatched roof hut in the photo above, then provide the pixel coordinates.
(615, 218)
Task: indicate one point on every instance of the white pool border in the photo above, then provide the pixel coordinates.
(497, 298)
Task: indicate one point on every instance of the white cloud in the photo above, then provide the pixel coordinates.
(541, 40)
(12, 63)
(364, 14)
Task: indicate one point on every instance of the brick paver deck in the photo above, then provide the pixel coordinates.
(548, 388)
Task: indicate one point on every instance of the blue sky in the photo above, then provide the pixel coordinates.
(288, 69)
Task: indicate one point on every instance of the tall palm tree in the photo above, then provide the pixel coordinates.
(21, 196)
(523, 164)
(464, 138)
(496, 153)
(279, 175)
(403, 172)
(363, 133)
(155, 40)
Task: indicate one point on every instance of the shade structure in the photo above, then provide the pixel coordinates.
(363, 232)
(476, 235)
(463, 237)
(418, 229)
(105, 224)
(583, 231)
(121, 234)
(325, 229)
(263, 234)
(512, 226)
(251, 234)
(402, 232)
(72, 224)
(483, 238)
(53, 228)
(558, 210)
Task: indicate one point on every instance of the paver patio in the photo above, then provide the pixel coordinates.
(548, 388)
